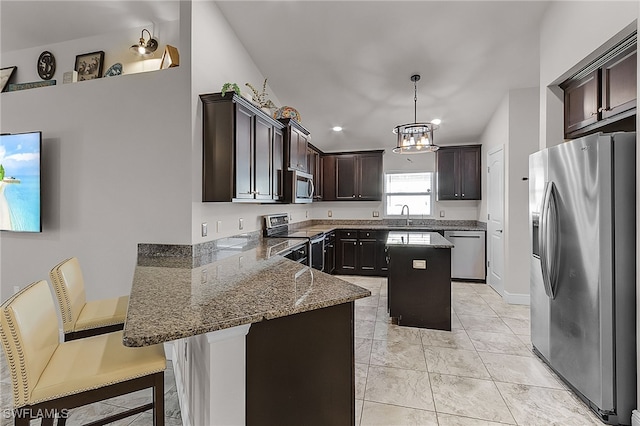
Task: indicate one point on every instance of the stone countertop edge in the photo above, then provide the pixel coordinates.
(436, 240)
(173, 299)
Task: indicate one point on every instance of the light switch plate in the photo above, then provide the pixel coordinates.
(241, 224)
(419, 264)
(376, 213)
(218, 226)
(204, 229)
(329, 213)
(441, 213)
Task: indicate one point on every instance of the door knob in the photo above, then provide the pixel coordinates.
(499, 230)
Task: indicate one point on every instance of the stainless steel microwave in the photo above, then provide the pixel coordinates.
(299, 187)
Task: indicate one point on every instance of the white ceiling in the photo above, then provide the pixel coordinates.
(344, 63)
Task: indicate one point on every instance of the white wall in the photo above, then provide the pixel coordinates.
(514, 126)
(220, 57)
(116, 165)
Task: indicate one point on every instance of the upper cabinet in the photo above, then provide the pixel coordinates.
(458, 172)
(296, 139)
(603, 96)
(314, 168)
(353, 176)
(242, 151)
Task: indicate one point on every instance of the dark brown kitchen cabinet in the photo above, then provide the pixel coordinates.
(602, 98)
(330, 253)
(458, 172)
(358, 252)
(353, 176)
(242, 151)
(296, 139)
(314, 168)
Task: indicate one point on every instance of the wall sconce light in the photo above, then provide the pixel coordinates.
(145, 48)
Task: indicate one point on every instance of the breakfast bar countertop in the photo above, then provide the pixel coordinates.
(173, 298)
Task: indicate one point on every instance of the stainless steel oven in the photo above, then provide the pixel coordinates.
(299, 187)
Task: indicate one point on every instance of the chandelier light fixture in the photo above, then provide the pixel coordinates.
(145, 47)
(415, 138)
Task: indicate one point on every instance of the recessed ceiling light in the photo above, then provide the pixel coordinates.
(436, 121)
(337, 129)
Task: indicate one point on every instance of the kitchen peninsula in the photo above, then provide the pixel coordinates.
(419, 279)
(258, 339)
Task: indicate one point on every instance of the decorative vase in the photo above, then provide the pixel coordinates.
(287, 112)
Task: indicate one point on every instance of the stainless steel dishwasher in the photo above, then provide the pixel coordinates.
(467, 255)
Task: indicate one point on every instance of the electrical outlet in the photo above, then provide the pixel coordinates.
(441, 213)
(218, 226)
(204, 229)
(376, 213)
(241, 224)
(306, 214)
(330, 213)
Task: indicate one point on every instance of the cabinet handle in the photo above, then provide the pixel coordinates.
(354, 244)
(360, 196)
(463, 195)
(455, 195)
(360, 243)
(353, 196)
(595, 113)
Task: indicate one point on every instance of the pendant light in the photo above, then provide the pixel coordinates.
(415, 138)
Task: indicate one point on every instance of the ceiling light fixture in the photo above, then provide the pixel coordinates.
(145, 48)
(337, 129)
(415, 138)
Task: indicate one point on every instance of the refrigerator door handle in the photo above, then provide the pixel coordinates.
(548, 232)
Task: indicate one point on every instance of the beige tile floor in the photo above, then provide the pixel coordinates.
(100, 410)
(482, 373)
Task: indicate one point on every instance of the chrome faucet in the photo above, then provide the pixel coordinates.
(402, 214)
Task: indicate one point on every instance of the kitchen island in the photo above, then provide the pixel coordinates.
(419, 279)
(257, 338)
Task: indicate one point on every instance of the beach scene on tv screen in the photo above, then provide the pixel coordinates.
(20, 182)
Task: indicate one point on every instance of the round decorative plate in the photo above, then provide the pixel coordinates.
(287, 112)
(46, 65)
(115, 69)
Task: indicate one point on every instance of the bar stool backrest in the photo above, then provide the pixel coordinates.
(68, 284)
(29, 334)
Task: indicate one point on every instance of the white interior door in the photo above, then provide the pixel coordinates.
(495, 219)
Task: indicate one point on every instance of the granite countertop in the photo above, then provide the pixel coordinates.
(173, 299)
(418, 239)
(416, 225)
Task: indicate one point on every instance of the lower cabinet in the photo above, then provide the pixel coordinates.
(360, 252)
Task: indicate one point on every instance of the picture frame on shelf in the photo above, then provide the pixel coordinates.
(170, 57)
(5, 77)
(89, 65)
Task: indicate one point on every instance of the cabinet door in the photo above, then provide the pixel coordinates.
(262, 159)
(346, 255)
(277, 178)
(367, 256)
(581, 103)
(447, 170)
(369, 171)
(470, 178)
(329, 184)
(381, 238)
(244, 153)
(302, 151)
(619, 84)
(346, 177)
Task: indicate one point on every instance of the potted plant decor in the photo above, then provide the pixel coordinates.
(228, 87)
(261, 98)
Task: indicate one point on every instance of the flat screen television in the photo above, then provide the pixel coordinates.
(20, 182)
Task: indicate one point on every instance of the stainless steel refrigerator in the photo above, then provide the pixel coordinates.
(583, 259)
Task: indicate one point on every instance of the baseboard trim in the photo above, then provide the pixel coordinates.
(635, 418)
(516, 299)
